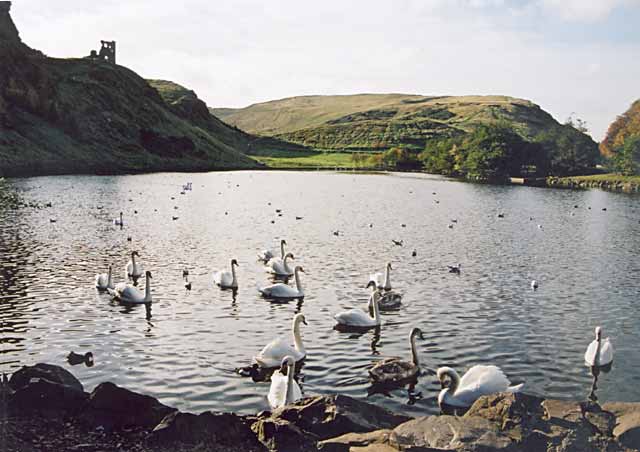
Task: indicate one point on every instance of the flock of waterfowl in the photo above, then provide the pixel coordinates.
(280, 356)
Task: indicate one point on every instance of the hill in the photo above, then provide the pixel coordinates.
(84, 115)
(625, 126)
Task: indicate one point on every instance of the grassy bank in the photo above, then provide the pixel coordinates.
(609, 181)
(301, 160)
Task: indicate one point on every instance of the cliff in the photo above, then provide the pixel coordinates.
(85, 116)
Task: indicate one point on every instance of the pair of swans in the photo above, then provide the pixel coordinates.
(225, 279)
(277, 350)
(284, 389)
(266, 255)
(128, 293)
(599, 352)
(394, 370)
(284, 291)
(358, 318)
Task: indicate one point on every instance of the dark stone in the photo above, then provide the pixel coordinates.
(331, 416)
(50, 372)
(283, 436)
(216, 431)
(47, 398)
(112, 406)
(344, 443)
(627, 423)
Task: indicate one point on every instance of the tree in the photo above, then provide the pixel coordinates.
(627, 157)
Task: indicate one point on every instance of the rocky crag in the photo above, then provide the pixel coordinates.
(44, 407)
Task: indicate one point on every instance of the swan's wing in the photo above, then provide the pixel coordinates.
(284, 291)
(278, 390)
(606, 352)
(296, 392)
(265, 255)
(128, 269)
(484, 379)
(101, 280)
(590, 354)
(353, 317)
(273, 353)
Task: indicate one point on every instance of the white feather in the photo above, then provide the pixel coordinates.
(477, 382)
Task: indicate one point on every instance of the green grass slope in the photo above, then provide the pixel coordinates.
(381, 121)
(80, 116)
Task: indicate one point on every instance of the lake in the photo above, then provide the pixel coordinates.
(184, 351)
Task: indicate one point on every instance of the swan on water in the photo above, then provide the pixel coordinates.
(275, 351)
(128, 293)
(282, 290)
(392, 370)
(477, 382)
(118, 221)
(280, 267)
(382, 282)
(266, 255)
(225, 279)
(599, 352)
(133, 269)
(284, 389)
(104, 281)
(359, 318)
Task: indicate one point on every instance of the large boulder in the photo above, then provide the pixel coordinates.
(331, 416)
(111, 406)
(46, 398)
(208, 430)
(50, 372)
(627, 423)
(377, 440)
(283, 436)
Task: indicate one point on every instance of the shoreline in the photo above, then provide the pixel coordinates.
(44, 407)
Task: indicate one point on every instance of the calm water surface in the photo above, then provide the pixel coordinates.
(586, 261)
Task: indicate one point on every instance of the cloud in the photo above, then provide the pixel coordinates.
(585, 10)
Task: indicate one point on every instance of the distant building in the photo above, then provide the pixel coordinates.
(107, 52)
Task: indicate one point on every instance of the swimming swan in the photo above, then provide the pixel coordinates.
(133, 269)
(280, 267)
(266, 255)
(282, 290)
(227, 280)
(381, 283)
(599, 352)
(104, 281)
(392, 370)
(477, 382)
(118, 221)
(284, 389)
(128, 293)
(358, 317)
(275, 351)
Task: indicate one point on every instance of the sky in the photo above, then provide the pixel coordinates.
(577, 58)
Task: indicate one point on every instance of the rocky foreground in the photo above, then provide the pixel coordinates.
(45, 408)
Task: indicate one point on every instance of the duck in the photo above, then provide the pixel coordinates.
(74, 359)
(599, 352)
(104, 281)
(280, 267)
(393, 370)
(284, 388)
(389, 300)
(282, 290)
(225, 279)
(133, 269)
(118, 221)
(266, 255)
(398, 242)
(455, 268)
(479, 381)
(534, 284)
(275, 351)
(380, 282)
(359, 318)
(127, 293)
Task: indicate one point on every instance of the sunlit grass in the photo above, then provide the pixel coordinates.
(315, 160)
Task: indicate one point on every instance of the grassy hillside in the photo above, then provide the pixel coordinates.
(82, 116)
(381, 121)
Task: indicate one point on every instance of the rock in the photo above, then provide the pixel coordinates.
(332, 416)
(50, 372)
(283, 436)
(112, 406)
(627, 426)
(357, 441)
(47, 398)
(216, 431)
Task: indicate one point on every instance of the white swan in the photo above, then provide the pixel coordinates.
(104, 281)
(477, 382)
(358, 317)
(118, 221)
(266, 255)
(382, 281)
(133, 269)
(280, 267)
(275, 351)
(392, 370)
(227, 280)
(599, 352)
(284, 389)
(282, 290)
(128, 293)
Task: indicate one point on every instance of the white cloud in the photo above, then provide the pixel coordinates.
(585, 10)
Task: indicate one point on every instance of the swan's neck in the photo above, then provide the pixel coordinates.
(147, 291)
(455, 381)
(596, 358)
(376, 309)
(234, 281)
(282, 250)
(387, 280)
(298, 285)
(109, 282)
(414, 352)
(133, 263)
(285, 264)
(288, 395)
(297, 340)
